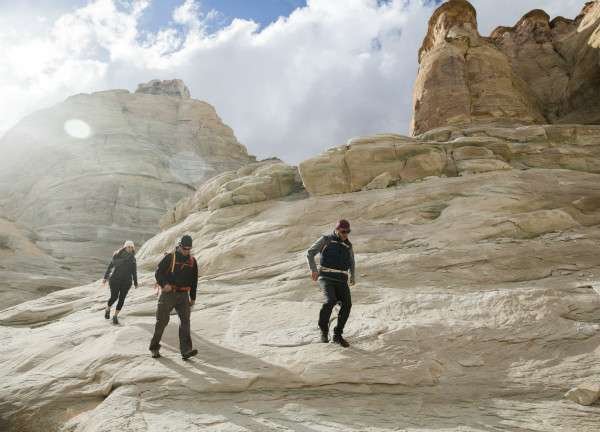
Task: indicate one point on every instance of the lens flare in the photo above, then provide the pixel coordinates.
(77, 128)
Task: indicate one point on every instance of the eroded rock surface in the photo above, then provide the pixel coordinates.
(451, 152)
(474, 299)
(269, 179)
(537, 72)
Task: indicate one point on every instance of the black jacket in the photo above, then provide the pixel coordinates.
(125, 268)
(184, 272)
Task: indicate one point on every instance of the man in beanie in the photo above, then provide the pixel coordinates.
(336, 269)
(177, 276)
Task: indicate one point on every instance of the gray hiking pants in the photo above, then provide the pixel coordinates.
(180, 300)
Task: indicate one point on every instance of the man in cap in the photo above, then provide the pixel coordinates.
(336, 269)
(177, 276)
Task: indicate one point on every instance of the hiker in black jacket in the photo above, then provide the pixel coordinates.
(124, 269)
(177, 276)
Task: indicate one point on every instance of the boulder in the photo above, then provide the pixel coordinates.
(586, 394)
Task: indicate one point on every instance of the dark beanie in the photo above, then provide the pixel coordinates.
(186, 241)
(342, 224)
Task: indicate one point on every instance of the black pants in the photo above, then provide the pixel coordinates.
(334, 292)
(118, 290)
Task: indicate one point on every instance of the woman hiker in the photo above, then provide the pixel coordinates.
(125, 269)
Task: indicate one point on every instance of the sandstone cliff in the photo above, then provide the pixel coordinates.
(100, 168)
(537, 72)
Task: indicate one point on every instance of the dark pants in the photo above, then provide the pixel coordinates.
(180, 300)
(118, 290)
(334, 292)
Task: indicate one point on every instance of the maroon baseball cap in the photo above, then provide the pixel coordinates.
(343, 224)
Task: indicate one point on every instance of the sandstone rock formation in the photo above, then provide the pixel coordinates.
(269, 179)
(537, 72)
(98, 169)
(450, 152)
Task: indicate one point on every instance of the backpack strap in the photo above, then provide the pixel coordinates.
(327, 242)
(172, 263)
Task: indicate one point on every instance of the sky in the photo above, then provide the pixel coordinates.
(290, 77)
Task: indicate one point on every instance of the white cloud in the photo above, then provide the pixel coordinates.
(330, 71)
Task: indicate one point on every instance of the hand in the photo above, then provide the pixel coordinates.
(352, 281)
(314, 276)
(192, 302)
(166, 288)
(136, 287)
(104, 281)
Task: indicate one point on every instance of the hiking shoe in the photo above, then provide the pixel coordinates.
(155, 354)
(189, 354)
(107, 313)
(115, 320)
(340, 340)
(324, 336)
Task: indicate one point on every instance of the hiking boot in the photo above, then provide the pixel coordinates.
(324, 336)
(155, 354)
(189, 354)
(337, 338)
(107, 313)
(115, 320)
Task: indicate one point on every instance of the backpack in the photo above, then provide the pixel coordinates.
(171, 268)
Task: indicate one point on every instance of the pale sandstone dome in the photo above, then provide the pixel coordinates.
(476, 306)
(83, 197)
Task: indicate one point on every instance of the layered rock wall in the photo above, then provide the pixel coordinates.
(537, 72)
(450, 152)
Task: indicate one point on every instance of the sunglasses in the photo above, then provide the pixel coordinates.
(186, 249)
(345, 231)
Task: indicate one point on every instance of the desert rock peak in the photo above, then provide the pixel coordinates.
(450, 14)
(536, 72)
(174, 87)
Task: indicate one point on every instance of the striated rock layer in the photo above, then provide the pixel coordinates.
(95, 170)
(370, 162)
(537, 72)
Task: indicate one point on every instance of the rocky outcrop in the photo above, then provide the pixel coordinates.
(100, 168)
(174, 87)
(558, 60)
(450, 152)
(257, 182)
(538, 72)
